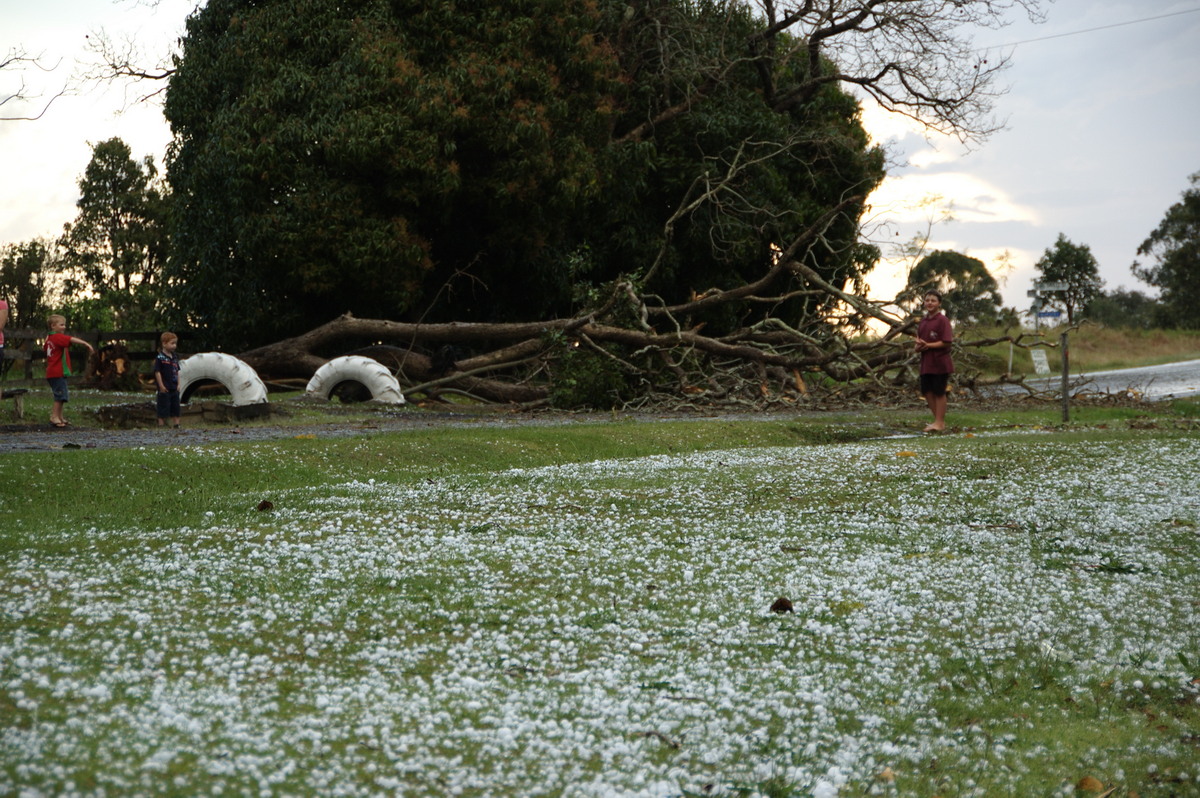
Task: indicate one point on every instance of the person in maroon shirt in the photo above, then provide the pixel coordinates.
(934, 337)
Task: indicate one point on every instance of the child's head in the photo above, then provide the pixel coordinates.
(57, 322)
(167, 338)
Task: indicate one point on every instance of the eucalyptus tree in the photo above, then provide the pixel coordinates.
(115, 248)
(1174, 248)
(969, 291)
(1074, 265)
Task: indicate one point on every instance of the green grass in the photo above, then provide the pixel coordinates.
(996, 612)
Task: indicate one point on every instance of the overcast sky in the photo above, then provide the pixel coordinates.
(1102, 130)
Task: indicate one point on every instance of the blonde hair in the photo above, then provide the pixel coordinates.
(56, 317)
(167, 336)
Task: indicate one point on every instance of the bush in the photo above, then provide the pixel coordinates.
(583, 378)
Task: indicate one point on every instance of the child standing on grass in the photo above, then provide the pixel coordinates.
(166, 379)
(58, 365)
(934, 339)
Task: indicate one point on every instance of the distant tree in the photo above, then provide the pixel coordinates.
(1122, 308)
(1009, 318)
(26, 271)
(114, 250)
(1175, 247)
(969, 292)
(1075, 265)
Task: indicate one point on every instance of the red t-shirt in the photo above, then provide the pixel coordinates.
(933, 329)
(58, 355)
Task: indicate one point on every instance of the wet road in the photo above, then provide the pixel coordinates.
(1168, 381)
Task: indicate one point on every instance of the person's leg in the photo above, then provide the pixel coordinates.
(162, 407)
(933, 388)
(931, 401)
(58, 388)
(938, 406)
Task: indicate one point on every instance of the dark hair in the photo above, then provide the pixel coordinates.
(933, 291)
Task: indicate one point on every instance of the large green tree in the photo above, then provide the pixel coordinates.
(1074, 265)
(492, 161)
(969, 291)
(373, 155)
(1174, 247)
(113, 252)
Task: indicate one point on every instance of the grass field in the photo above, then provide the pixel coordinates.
(585, 610)
(1091, 348)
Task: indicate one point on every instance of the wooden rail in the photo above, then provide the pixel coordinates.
(24, 347)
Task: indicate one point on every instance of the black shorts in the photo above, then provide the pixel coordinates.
(167, 404)
(934, 384)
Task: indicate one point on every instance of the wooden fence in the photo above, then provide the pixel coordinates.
(25, 349)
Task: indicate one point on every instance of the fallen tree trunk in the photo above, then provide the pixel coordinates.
(654, 351)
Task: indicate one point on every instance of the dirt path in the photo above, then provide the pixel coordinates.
(44, 437)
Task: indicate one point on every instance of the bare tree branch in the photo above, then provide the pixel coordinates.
(17, 61)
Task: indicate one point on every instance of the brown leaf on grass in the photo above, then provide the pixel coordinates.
(782, 605)
(1089, 784)
(265, 505)
(887, 774)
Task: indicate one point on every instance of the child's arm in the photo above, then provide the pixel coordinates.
(82, 342)
(158, 380)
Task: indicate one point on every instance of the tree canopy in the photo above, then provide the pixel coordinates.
(1174, 247)
(1122, 308)
(496, 161)
(114, 250)
(969, 291)
(24, 271)
(1076, 266)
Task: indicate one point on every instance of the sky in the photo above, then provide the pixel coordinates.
(1101, 131)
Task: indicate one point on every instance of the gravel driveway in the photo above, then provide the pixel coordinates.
(43, 437)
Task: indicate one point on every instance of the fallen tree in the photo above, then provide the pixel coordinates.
(634, 350)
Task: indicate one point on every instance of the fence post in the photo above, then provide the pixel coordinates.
(1066, 395)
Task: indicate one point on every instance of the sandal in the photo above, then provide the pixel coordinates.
(59, 424)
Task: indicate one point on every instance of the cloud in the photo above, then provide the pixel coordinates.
(946, 196)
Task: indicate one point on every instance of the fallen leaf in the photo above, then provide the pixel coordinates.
(888, 775)
(1089, 784)
(782, 605)
(906, 454)
(265, 505)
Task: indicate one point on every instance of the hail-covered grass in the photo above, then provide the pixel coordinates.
(990, 615)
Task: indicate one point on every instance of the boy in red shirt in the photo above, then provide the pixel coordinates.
(934, 336)
(58, 365)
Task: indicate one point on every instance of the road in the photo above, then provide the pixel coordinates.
(1168, 381)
